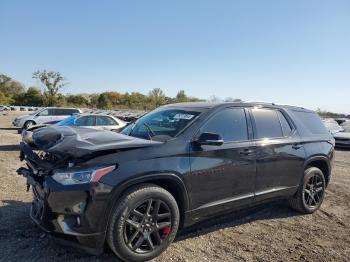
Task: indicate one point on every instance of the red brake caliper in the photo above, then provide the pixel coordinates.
(166, 231)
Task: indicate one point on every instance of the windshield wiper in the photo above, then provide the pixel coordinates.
(150, 131)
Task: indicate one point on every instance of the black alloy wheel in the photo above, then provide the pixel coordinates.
(314, 191)
(147, 226)
(143, 223)
(311, 191)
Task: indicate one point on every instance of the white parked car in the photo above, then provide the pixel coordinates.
(44, 115)
(4, 108)
(332, 126)
(96, 121)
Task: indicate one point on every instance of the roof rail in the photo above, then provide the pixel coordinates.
(261, 102)
(273, 104)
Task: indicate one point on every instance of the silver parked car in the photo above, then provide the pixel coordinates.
(44, 115)
(332, 126)
(342, 139)
(95, 121)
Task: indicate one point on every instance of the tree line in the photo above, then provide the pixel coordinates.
(50, 93)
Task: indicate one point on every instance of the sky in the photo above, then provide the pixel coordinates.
(291, 52)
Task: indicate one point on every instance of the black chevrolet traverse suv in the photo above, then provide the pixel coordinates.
(173, 167)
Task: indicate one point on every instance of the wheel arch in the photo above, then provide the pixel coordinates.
(170, 182)
(29, 120)
(322, 163)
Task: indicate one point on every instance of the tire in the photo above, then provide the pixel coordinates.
(28, 124)
(130, 230)
(311, 192)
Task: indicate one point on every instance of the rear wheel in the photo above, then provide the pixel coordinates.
(311, 192)
(143, 224)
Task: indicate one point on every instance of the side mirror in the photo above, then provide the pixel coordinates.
(210, 139)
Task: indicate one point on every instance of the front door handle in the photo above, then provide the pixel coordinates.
(246, 152)
(296, 146)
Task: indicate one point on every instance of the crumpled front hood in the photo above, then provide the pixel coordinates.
(77, 142)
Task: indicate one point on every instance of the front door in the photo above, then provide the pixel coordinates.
(43, 117)
(222, 176)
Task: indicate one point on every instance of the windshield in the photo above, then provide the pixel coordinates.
(70, 121)
(161, 125)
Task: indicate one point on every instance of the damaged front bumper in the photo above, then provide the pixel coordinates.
(74, 213)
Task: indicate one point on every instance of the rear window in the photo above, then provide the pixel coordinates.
(311, 121)
(267, 123)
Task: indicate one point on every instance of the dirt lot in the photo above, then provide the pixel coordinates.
(272, 232)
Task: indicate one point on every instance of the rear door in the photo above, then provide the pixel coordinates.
(59, 114)
(106, 123)
(86, 121)
(279, 155)
(222, 176)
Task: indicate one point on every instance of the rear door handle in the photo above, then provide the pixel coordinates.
(246, 152)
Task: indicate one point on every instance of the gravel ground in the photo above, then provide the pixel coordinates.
(271, 232)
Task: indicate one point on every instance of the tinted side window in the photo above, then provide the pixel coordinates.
(311, 121)
(71, 111)
(267, 123)
(85, 121)
(63, 111)
(105, 121)
(58, 112)
(286, 129)
(230, 123)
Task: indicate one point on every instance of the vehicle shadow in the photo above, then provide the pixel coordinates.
(9, 128)
(337, 148)
(271, 210)
(9, 148)
(15, 215)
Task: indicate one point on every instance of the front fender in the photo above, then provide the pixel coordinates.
(154, 178)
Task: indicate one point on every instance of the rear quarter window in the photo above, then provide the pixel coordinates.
(311, 121)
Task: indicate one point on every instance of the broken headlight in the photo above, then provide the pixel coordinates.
(81, 176)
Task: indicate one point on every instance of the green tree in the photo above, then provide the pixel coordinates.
(9, 89)
(181, 96)
(93, 100)
(77, 100)
(157, 97)
(53, 83)
(104, 102)
(33, 97)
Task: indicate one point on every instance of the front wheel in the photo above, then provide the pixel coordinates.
(143, 224)
(28, 124)
(311, 192)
